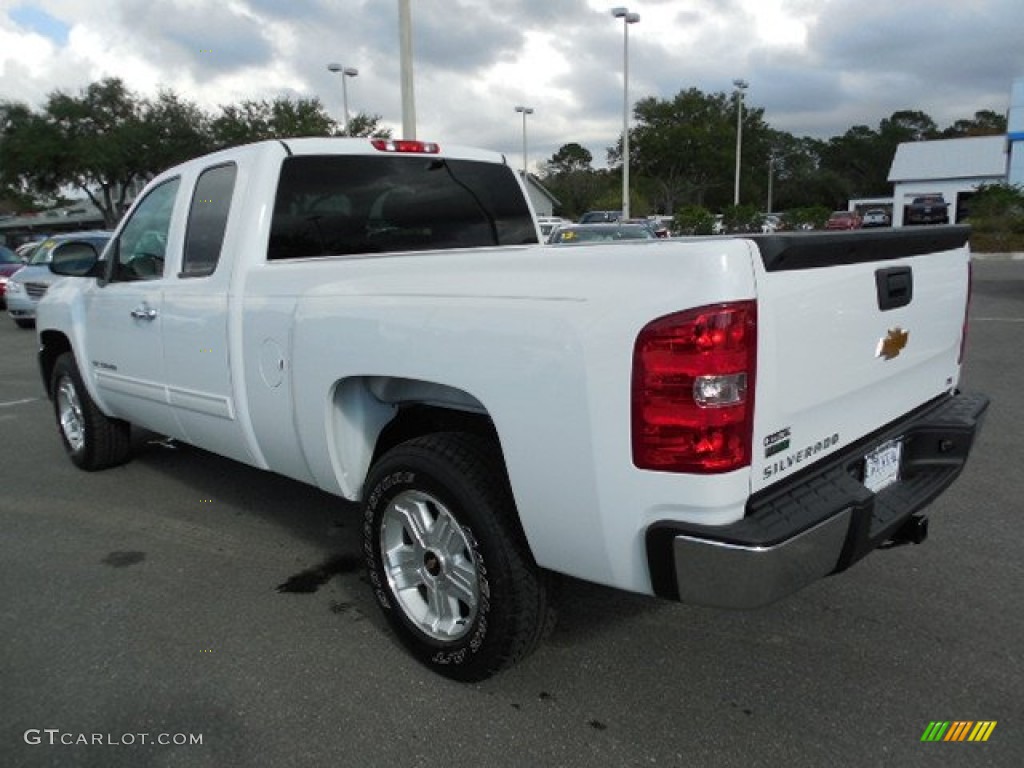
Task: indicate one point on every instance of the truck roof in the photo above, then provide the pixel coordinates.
(344, 146)
(365, 146)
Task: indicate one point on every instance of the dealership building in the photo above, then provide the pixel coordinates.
(955, 168)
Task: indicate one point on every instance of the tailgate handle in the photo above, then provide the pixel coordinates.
(895, 287)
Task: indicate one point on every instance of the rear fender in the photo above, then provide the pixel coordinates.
(362, 406)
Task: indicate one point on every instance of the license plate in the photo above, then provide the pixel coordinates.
(882, 466)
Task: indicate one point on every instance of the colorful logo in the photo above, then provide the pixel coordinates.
(959, 730)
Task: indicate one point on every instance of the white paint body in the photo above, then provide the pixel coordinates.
(282, 364)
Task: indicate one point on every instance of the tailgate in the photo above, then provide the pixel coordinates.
(855, 330)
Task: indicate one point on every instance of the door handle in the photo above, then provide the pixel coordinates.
(144, 312)
(895, 287)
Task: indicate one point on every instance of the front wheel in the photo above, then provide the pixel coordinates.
(92, 439)
(447, 558)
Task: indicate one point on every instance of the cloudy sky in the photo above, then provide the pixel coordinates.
(817, 67)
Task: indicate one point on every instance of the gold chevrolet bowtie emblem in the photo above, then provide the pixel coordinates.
(892, 344)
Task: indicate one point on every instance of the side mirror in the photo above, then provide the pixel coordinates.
(75, 258)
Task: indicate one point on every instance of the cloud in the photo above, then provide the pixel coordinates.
(816, 67)
(208, 39)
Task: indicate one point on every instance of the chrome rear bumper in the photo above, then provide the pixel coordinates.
(818, 522)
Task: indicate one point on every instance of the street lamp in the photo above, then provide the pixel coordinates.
(405, 67)
(741, 85)
(346, 72)
(526, 111)
(627, 19)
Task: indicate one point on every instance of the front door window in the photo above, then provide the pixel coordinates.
(142, 245)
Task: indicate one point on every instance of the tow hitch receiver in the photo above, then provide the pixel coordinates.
(913, 531)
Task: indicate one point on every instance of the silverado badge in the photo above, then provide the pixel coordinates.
(892, 344)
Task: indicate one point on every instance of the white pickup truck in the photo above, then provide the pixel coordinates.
(714, 420)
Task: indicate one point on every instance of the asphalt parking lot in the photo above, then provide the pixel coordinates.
(185, 596)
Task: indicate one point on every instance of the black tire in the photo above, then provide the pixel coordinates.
(474, 600)
(23, 323)
(92, 439)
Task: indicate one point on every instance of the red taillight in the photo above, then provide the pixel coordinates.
(406, 145)
(693, 390)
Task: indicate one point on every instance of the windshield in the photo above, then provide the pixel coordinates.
(41, 255)
(593, 216)
(7, 256)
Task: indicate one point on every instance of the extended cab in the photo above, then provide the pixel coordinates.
(715, 420)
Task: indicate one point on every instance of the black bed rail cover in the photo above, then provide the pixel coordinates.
(809, 250)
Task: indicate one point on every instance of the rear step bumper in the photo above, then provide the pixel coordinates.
(820, 521)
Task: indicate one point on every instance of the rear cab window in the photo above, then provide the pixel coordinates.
(351, 204)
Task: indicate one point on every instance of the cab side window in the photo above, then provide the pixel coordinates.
(208, 219)
(141, 248)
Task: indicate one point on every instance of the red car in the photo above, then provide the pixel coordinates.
(844, 220)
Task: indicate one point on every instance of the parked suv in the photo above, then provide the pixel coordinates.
(928, 209)
(28, 285)
(876, 217)
(599, 217)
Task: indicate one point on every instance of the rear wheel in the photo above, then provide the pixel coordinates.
(92, 439)
(22, 323)
(447, 558)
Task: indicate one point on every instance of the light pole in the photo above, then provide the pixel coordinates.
(526, 111)
(627, 19)
(405, 63)
(346, 72)
(741, 85)
(771, 172)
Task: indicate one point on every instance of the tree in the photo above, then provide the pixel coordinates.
(106, 140)
(907, 125)
(281, 118)
(570, 158)
(26, 142)
(176, 130)
(985, 123)
(813, 217)
(997, 218)
(363, 124)
(863, 156)
(742, 218)
(98, 135)
(795, 166)
(570, 178)
(856, 156)
(693, 220)
(998, 207)
(686, 146)
(102, 142)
